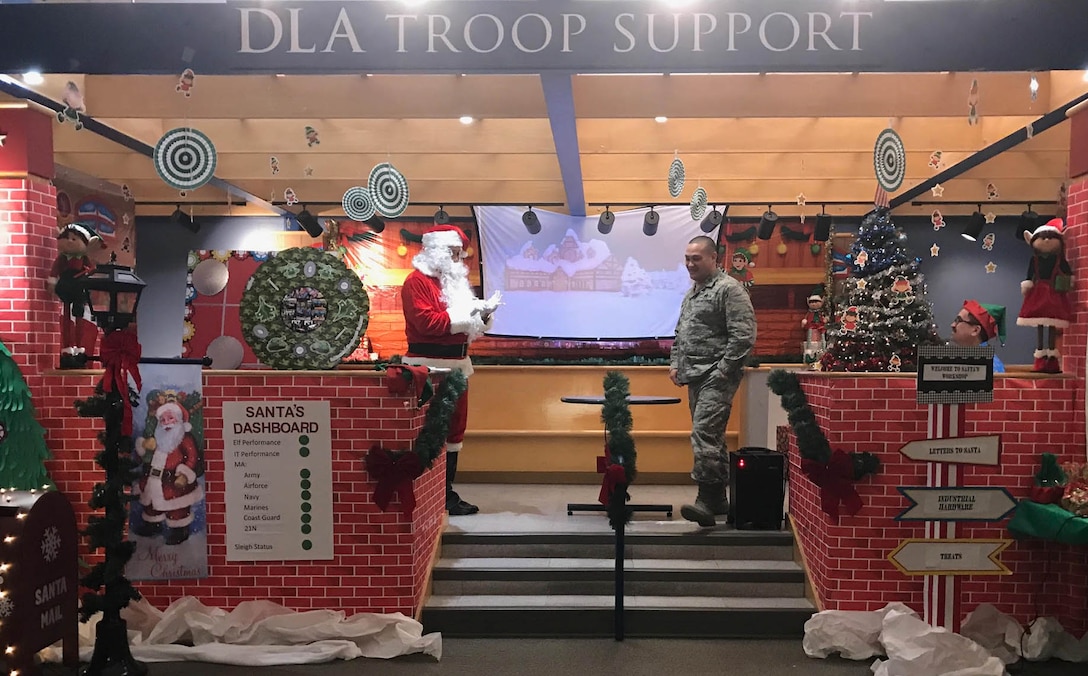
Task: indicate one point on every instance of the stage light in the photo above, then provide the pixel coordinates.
(605, 222)
(1029, 220)
(649, 222)
(713, 219)
(184, 220)
(822, 232)
(975, 223)
(441, 217)
(376, 223)
(767, 221)
(309, 223)
(532, 223)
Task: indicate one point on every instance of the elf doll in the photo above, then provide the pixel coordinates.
(1047, 305)
(815, 321)
(742, 260)
(77, 333)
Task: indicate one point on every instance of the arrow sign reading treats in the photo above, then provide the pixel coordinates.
(950, 557)
(966, 450)
(961, 503)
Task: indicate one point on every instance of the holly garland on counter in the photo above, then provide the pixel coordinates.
(833, 471)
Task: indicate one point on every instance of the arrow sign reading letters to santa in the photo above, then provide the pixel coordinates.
(961, 503)
(950, 557)
(966, 450)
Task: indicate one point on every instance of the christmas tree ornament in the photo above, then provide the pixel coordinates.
(815, 249)
(934, 251)
(937, 219)
(889, 160)
(186, 82)
(289, 196)
(389, 190)
(782, 249)
(990, 217)
(988, 241)
(312, 138)
(753, 249)
(402, 250)
(991, 191)
(937, 190)
(184, 158)
(801, 200)
(676, 177)
(358, 204)
(935, 160)
(274, 164)
(307, 171)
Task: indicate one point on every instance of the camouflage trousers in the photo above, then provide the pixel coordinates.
(710, 400)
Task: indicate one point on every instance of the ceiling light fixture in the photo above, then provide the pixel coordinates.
(713, 219)
(767, 221)
(650, 222)
(466, 119)
(661, 119)
(441, 217)
(975, 223)
(309, 223)
(184, 220)
(531, 221)
(1029, 220)
(606, 220)
(822, 232)
(33, 77)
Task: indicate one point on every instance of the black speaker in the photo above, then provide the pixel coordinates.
(757, 488)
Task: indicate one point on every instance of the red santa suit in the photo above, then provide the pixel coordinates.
(440, 322)
(162, 499)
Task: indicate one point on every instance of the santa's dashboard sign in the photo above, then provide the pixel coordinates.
(955, 375)
(278, 458)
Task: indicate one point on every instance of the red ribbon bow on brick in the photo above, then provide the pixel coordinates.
(402, 380)
(835, 478)
(393, 472)
(121, 358)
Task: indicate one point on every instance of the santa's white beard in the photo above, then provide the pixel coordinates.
(166, 440)
(452, 277)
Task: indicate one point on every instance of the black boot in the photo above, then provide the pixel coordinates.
(710, 501)
(148, 529)
(176, 536)
(454, 504)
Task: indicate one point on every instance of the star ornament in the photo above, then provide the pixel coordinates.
(937, 190)
(862, 284)
(990, 217)
(991, 268)
(934, 251)
(801, 200)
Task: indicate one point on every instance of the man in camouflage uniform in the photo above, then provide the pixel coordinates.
(715, 334)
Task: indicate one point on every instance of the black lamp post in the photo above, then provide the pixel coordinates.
(113, 292)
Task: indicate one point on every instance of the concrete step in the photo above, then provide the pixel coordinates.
(645, 577)
(712, 545)
(644, 616)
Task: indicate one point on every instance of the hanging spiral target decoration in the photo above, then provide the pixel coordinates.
(389, 189)
(676, 177)
(698, 204)
(358, 204)
(184, 158)
(890, 160)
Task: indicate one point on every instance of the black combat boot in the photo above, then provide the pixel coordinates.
(710, 501)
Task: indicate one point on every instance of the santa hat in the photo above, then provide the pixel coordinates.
(179, 412)
(1054, 226)
(84, 231)
(991, 318)
(444, 236)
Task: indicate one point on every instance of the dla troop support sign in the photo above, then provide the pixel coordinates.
(278, 458)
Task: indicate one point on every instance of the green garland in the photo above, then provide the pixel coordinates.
(436, 422)
(811, 442)
(616, 416)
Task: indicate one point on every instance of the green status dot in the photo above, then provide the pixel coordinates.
(305, 483)
(306, 518)
(304, 440)
(306, 507)
(305, 495)
(307, 545)
(305, 474)
(304, 452)
(306, 529)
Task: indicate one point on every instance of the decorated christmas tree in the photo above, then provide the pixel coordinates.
(885, 316)
(22, 439)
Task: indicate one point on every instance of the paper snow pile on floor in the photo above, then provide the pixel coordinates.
(988, 640)
(259, 633)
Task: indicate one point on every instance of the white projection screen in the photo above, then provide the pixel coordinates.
(569, 281)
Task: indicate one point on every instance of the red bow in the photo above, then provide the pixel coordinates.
(614, 476)
(835, 479)
(393, 472)
(121, 358)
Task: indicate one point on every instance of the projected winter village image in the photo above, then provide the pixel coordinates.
(581, 288)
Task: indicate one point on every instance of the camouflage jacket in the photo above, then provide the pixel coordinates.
(717, 327)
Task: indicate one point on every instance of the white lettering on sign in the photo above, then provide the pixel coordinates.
(941, 373)
(50, 590)
(51, 617)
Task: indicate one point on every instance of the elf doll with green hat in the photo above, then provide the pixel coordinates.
(978, 323)
(741, 261)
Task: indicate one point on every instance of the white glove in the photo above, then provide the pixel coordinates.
(491, 304)
(462, 323)
(1025, 286)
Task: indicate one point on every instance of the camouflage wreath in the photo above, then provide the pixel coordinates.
(304, 309)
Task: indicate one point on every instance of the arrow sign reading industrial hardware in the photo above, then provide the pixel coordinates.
(950, 557)
(961, 503)
(966, 450)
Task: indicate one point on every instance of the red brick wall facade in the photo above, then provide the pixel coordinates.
(848, 560)
(381, 559)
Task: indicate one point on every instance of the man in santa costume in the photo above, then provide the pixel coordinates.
(442, 316)
(168, 488)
